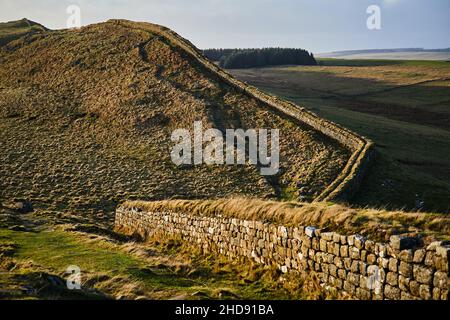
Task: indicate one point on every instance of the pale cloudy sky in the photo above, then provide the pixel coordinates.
(317, 25)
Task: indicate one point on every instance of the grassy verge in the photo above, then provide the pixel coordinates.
(378, 224)
(160, 269)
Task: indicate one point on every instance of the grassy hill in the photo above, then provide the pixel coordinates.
(13, 30)
(86, 118)
(85, 122)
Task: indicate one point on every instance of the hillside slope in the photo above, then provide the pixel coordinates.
(86, 118)
(13, 30)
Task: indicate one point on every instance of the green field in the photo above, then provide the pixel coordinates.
(33, 266)
(403, 106)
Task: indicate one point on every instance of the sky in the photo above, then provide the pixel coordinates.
(315, 25)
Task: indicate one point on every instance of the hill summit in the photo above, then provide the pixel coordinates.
(86, 118)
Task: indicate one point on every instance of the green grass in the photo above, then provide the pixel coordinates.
(171, 270)
(401, 105)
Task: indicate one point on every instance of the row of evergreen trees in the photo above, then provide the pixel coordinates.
(252, 58)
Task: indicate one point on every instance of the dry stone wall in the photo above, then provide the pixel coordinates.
(401, 269)
(348, 181)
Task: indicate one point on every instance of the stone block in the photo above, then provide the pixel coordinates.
(391, 293)
(419, 255)
(371, 258)
(392, 278)
(440, 280)
(393, 264)
(310, 231)
(422, 274)
(327, 236)
(362, 294)
(406, 269)
(353, 278)
(343, 251)
(406, 255)
(403, 283)
(359, 241)
(399, 242)
(425, 292)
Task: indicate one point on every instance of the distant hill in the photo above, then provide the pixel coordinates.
(395, 54)
(13, 30)
(86, 117)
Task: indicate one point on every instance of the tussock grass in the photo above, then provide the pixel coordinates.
(161, 268)
(338, 217)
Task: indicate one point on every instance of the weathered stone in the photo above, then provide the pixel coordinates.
(429, 258)
(383, 262)
(310, 231)
(414, 287)
(344, 251)
(392, 278)
(406, 255)
(406, 296)
(362, 294)
(443, 251)
(343, 240)
(419, 255)
(338, 262)
(353, 278)
(399, 243)
(21, 206)
(403, 283)
(425, 292)
(422, 274)
(333, 270)
(393, 264)
(347, 263)
(342, 274)
(330, 247)
(349, 287)
(354, 253)
(432, 246)
(391, 292)
(323, 245)
(370, 246)
(440, 280)
(327, 236)
(282, 231)
(442, 264)
(371, 259)
(355, 266)
(406, 269)
(436, 294)
(359, 241)
(315, 244)
(382, 250)
(363, 255)
(363, 268)
(336, 237)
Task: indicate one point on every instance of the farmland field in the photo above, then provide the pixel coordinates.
(403, 106)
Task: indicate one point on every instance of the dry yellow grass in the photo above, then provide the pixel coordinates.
(379, 224)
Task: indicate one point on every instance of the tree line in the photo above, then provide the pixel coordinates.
(252, 58)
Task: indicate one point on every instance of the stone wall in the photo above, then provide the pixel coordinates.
(401, 269)
(348, 181)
